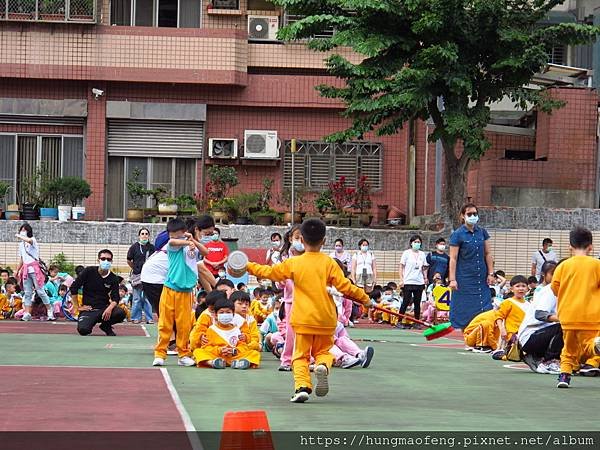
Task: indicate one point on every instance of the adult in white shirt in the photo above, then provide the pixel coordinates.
(539, 257)
(364, 268)
(274, 253)
(341, 254)
(29, 272)
(413, 275)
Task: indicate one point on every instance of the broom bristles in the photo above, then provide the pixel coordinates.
(439, 334)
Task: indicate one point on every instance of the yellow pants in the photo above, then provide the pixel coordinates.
(578, 346)
(482, 334)
(202, 356)
(126, 309)
(175, 311)
(306, 345)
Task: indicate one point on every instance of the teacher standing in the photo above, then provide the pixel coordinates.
(471, 269)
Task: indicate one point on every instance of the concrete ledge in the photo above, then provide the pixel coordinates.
(536, 218)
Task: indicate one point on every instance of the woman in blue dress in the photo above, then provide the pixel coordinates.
(471, 269)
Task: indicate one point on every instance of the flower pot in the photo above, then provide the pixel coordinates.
(287, 218)
(64, 213)
(12, 215)
(365, 219)
(135, 215)
(221, 216)
(264, 220)
(167, 210)
(331, 216)
(243, 221)
(12, 207)
(78, 212)
(30, 212)
(47, 214)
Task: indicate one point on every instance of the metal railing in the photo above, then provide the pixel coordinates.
(80, 11)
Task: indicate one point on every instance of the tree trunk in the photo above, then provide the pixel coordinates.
(455, 179)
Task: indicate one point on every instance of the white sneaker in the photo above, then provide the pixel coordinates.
(322, 387)
(349, 361)
(186, 361)
(555, 367)
(51, 317)
(548, 368)
(366, 356)
(351, 324)
(158, 362)
(26, 317)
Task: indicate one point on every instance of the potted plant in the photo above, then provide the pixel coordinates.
(186, 205)
(265, 215)
(4, 189)
(49, 188)
(71, 191)
(325, 204)
(167, 206)
(244, 204)
(362, 201)
(137, 193)
(299, 203)
(52, 10)
(220, 181)
(29, 196)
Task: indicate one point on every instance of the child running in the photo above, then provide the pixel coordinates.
(176, 298)
(576, 284)
(314, 316)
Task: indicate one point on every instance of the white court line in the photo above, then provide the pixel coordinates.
(185, 417)
(75, 367)
(145, 330)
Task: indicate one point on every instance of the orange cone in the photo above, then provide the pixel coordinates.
(246, 430)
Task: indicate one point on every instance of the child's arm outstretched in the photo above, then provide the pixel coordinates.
(278, 272)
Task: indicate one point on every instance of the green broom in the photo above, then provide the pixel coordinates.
(432, 332)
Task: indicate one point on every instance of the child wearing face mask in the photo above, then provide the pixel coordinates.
(11, 302)
(225, 343)
(217, 255)
(274, 252)
(245, 321)
(205, 319)
(272, 324)
(261, 308)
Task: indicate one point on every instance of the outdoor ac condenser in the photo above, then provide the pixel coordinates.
(221, 148)
(263, 28)
(261, 144)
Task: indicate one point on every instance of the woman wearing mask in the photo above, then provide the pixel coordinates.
(292, 246)
(136, 258)
(364, 267)
(341, 254)
(413, 276)
(29, 272)
(471, 269)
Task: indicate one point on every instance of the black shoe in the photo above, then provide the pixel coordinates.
(588, 370)
(107, 328)
(301, 395)
(564, 380)
(532, 362)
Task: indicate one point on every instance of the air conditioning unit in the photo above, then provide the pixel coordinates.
(263, 28)
(219, 148)
(261, 144)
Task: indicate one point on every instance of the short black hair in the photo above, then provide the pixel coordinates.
(240, 296)
(12, 281)
(105, 250)
(225, 282)
(257, 292)
(313, 231)
(378, 287)
(339, 240)
(218, 230)
(375, 294)
(518, 279)
(213, 296)
(176, 224)
(240, 286)
(388, 288)
(548, 266)
(266, 291)
(122, 287)
(342, 266)
(202, 294)
(276, 235)
(500, 272)
(393, 285)
(204, 222)
(143, 229)
(27, 228)
(80, 269)
(546, 241)
(4, 270)
(224, 303)
(362, 241)
(440, 240)
(415, 237)
(532, 279)
(63, 287)
(580, 238)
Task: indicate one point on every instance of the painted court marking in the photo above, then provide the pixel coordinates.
(145, 331)
(516, 366)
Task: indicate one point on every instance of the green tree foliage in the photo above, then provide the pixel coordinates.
(469, 53)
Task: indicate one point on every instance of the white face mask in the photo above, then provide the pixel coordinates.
(298, 246)
(386, 297)
(364, 248)
(225, 318)
(23, 233)
(275, 244)
(472, 220)
(441, 247)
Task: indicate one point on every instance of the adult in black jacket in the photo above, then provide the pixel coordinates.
(100, 296)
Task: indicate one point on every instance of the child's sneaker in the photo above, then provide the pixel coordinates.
(548, 368)
(172, 348)
(26, 317)
(218, 363)
(301, 395)
(283, 368)
(531, 361)
(322, 387)
(51, 317)
(564, 380)
(588, 370)
(241, 364)
(597, 345)
(158, 362)
(186, 361)
(498, 355)
(366, 356)
(349, 361)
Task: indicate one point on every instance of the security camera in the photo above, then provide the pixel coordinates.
(97, 92)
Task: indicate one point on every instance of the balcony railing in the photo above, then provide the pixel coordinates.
(80, 11)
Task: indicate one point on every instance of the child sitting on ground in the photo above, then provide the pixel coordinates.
(244, 320)
(242, 287)
(488, 330)
(205, 319)
(200, 304)
(225, 343)
(346, 353)
(272, 324)
(11, 302)
(532, 283)
(125, 301)
(261, 308)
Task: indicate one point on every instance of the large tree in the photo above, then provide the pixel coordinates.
(470, 53)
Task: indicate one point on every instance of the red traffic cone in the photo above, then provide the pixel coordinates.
(246, 430)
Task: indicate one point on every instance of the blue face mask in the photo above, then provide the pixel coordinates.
(105, 265)
(416, 245)
(298, 246)
(215, 237)
(205, 239)
(472, 220)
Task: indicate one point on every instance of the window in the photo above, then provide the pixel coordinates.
(226, 4)
(161, 13)
(520, 155)
(176, 175)
(289, 19)
(23, 155)
(316, 163)
(558, 55)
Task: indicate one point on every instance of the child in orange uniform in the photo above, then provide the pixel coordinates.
(576, 283)
(226, 343)
(205, 319)
(314, 316)
(10, 302)
(262, 307)
(488, 329)
(244, 320)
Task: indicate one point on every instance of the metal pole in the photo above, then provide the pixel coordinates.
(293, 151)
